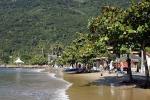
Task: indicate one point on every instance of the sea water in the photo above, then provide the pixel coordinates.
(29, 84)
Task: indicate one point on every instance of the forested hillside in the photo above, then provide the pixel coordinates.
(31, 27)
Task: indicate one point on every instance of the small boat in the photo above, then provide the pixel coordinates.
(95, 69)
(71, 70)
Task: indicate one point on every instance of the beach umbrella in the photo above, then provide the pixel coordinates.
(18, 61)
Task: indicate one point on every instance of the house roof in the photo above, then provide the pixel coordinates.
(133, 58)
(18, 61)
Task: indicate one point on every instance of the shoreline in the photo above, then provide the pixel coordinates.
(80, 89)
(87, 85)
(23, 66)
(31, 84)
(93, 86)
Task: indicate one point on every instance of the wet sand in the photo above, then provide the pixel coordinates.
(82, 90)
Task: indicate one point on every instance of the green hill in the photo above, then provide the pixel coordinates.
(32, 26)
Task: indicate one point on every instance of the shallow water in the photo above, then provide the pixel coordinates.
(25, 84)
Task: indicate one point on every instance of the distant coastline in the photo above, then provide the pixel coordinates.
(23, 66)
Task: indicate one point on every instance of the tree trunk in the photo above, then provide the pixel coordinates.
(142, 60)
(71, 64)
(129, 72)
(146, 67)
(137, 66)
(76, 64)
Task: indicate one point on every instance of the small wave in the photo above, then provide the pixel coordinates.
(20, 70)
(38, 70)
(61, 92)
(61, 95)
(43, 86)
(53, 75)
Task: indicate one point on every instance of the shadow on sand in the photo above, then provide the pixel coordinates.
(138, 82)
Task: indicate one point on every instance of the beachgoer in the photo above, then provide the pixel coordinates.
(101, 69)
(121, 67)
(111, 67)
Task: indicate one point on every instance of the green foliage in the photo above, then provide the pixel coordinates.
(100, 45)
(5, 59)
(147, 49)
(124, 49)
(137, 17)
(86, 52)
(84, 49)
(109, 25)
(113, 27)
(116, 27)
(30, 26)
(38, 60)
(26, 58)
(122, 27)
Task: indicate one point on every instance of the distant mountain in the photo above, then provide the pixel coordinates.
(29, 25)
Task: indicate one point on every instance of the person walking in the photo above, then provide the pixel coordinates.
(111, 67)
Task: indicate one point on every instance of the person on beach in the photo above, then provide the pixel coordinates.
(121, 67)
(120, 71)
(101, 69)
(111, 67)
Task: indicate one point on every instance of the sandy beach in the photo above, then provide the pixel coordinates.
(82, 89)
(92, 86)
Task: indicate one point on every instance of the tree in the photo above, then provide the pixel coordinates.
(110, 24)
(83, 49)
(70, 55)
(38, 60)
(86, 52)
(138, 19)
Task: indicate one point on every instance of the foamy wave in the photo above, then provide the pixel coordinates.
(21, 70)
(53, 75)
(39, 70)
(61, 95)
(44, 95)
(42, 87)
(32, 70)
(62, 92)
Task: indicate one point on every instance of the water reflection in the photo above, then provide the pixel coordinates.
(18, 77)
(81, 91)
(112, 91)
(19, 84)
(122, 93)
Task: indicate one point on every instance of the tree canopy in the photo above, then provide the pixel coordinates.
(30, 27)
